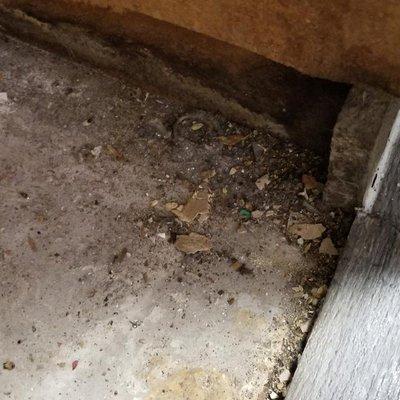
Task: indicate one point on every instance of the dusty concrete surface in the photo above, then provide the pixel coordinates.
(96, 300)
(352, 41)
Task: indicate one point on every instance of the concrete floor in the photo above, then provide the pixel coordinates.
(96, 301)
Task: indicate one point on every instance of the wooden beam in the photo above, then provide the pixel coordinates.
(353, 352)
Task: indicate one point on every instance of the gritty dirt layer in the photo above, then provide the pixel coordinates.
(96, 301)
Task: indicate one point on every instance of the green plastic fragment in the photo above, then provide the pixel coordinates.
(245, 213)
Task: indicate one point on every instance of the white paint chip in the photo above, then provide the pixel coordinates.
(3, 98)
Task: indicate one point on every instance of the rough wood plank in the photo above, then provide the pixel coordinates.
(387, 203)
(354, 349)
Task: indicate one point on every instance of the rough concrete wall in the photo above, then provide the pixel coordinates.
(359, 137)
(344, 40)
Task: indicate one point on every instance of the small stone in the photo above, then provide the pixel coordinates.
(232, 171)
(307, 231)
(8, 365)
(273, 395)
(300, 241)
(262, 182)
(196, 126)
(171, 206)
(327, 247)
(96, 151)
(305, 326)
(284, 376)
(3, 97)
(320, 292)
(154, 203)
(257, 214)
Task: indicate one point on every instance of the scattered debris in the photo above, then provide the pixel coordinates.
(273, 395)
(192, 243)
(231, 300)
(231, 140)
(307, 231)
(162, 235)
(284, 376)
(319, 293)
(157, 128)
(24, 195)
(305, 326)
(245, 213)
(171, 206)
(115, 153)
(120, 256)
(257, 214)
(197, 126)
(327, 247)
(32, 244)
(232, 171)
(241, 268)
(153, 203)
(74, 364)
(198, 205)
(96, 151)
(262, 182)
(88, 122)
(236, 265)
(3, 97)
(135, 324)
(309, 182)
(8, 365)
(205, 175)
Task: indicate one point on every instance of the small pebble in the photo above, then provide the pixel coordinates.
(284, 376)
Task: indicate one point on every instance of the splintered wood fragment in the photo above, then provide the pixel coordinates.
(32, 244)
(309, 182)
(231, 140)
(327, 247)
(307, 231)
(193, 243)
(262, 182)
(198, 204)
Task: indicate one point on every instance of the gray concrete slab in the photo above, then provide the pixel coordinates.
(96, 302)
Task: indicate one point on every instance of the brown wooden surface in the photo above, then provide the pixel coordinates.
(345, 40)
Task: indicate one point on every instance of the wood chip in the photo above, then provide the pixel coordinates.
(198, 204)
(309, 182)
(9, 365)
(236, 265)
(192, 243)
(196, 126)
(327, 247)
(262, 182)
(284, 376)
(205, 175)
(32, 244)
(232, 171)
(154, 203)
(320, 292)
(115, 153)
(171, 206)
(257, 214)
(307, 231)
(231, 140)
